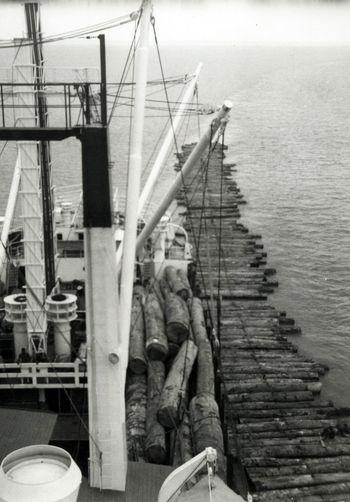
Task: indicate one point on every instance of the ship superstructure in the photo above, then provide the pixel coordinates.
(91, 291)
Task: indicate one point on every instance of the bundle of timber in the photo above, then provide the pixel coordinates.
(284, 443)
(171, 410)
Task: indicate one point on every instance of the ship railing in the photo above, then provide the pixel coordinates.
(70, 104)
(50, 375)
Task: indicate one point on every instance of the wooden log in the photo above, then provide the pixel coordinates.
(300, 494)
(136, 402)
(286, 424)
(266, 461)
(164, 287)
(206, 428)
(251, 335)
(255, 322)
(299, 480)
(183, 446)
(205, 369)
(156, 340)
(291, 470)
(267, 386)
(154, 287)
(314, 413)
(262, 405)
(140, 293)
(261, 306)
(263, 356)
(177, 318)
(301, 451)
(155, 445)
(254, 344)
(137, 359)
(184, 279)
(252, 363)
(197, 320)
(175, 283)
(290, 330)
(171, 402)
(242, 375)
(291, 433)
(271, 396)
(278, 441)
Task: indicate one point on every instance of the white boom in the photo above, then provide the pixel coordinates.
(168, 141)
(134, 179)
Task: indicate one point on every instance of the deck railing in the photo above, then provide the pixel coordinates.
(43, 375)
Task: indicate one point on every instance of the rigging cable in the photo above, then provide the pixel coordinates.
(176, 146)
(106, 25)
(126, 68)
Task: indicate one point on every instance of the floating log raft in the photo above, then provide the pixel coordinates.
(289, 444)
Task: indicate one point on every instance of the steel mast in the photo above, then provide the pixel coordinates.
(34, 33)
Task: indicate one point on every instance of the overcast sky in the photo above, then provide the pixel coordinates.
(237, 22)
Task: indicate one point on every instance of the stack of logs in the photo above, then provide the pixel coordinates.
(171, 412)
(283, 442)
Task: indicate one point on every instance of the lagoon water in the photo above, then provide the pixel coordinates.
(290, 137)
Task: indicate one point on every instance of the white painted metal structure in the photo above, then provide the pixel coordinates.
(39, 473)
(23, 72)
(10, 211)
(43, 375)
(15, 312)
(168, 141)
(210, 487)
(171, 487)
(134, 178)
(108, 457)
(61, 309)
(164, 151)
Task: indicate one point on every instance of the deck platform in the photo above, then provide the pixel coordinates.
(142, 485)
(21, 428)
(282, 440)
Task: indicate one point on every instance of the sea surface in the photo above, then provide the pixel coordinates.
(290, 137)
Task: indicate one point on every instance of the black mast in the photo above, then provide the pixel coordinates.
(34, 33)
(101, 38)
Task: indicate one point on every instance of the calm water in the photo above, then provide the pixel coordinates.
(290, 136)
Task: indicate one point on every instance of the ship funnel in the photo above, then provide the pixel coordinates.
(39, 473)
(61, 309)
(15, 312)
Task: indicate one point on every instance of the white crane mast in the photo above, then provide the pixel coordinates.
(23, 73)
(134, 178)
